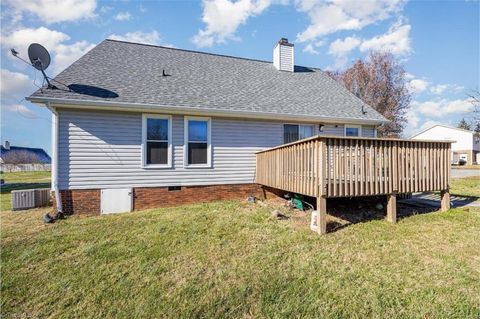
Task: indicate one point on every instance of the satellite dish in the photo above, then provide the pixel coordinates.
(39, 56)
(39, 59)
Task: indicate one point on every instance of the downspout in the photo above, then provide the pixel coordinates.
(54, 185)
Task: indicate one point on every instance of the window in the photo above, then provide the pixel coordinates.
(353, 130)
(197, 142)
(156, 141)
(295, 132)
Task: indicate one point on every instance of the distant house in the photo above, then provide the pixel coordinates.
(139, 126)
(23, 155)
(466, 146)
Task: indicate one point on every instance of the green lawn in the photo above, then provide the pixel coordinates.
(232, 259)
(23, 180)
(477, 167)
(26, 177)
(468, 186)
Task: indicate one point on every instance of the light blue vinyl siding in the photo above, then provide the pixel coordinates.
(339, 130)
(103, 150)
(368, 131)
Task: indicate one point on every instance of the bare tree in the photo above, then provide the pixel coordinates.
(20, 157)
(475, 100)
(380, 82)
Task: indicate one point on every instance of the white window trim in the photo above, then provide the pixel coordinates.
(314, 127)
(144, 140)
(185, 141)
(352, 126)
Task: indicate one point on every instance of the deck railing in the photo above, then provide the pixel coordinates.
(348, 167)
(329, 166)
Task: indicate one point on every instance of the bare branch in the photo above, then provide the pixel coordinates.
(380, 82)
(20, 157)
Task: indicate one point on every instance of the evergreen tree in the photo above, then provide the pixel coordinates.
(464, 125)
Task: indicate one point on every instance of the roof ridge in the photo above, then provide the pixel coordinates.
(203, 52)
(443, 125)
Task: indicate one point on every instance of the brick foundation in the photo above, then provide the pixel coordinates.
(84, 202)
(87, 202)
(151, 197)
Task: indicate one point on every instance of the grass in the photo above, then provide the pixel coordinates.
(232, 259)
(21, 180)
(26, 177)
(477, 167)
(468, 186)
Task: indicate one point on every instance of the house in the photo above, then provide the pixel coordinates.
(466, 146)
(137, 126)
(22, 155)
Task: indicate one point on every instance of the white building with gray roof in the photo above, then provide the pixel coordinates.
(138, 126)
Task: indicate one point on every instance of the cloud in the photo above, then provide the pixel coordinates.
(54, 41)
(138, 37)
(21, 39)
(123, 16)
(396, 41)
(442, 107)
(328, 17)
(14, 87)
(440, 88)
(423, 114)
(409, 76)
(310, 49)
(54, 11)
(67, 54)
(223, 17)
(20, 109)
(417, 85)
(104, 9)
(410, 131)
(152, 37)
(341, 48)
(14, 84)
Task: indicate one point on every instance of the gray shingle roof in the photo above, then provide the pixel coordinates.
(132, 73)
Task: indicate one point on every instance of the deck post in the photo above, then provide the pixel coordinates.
(445, 202)
(321, 215)
(392, 208)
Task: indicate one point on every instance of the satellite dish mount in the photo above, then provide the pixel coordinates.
(39, 59)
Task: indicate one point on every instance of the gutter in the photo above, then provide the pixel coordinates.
(54, 185)
(138, 107)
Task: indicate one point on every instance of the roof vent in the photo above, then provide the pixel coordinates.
(283, 55)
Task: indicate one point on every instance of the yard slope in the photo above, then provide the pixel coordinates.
(231, 259)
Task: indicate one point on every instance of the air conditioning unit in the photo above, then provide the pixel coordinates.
(30, 198)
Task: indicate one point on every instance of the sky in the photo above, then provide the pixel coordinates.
(436, 41)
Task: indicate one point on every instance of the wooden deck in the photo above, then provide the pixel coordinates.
(330, 166)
